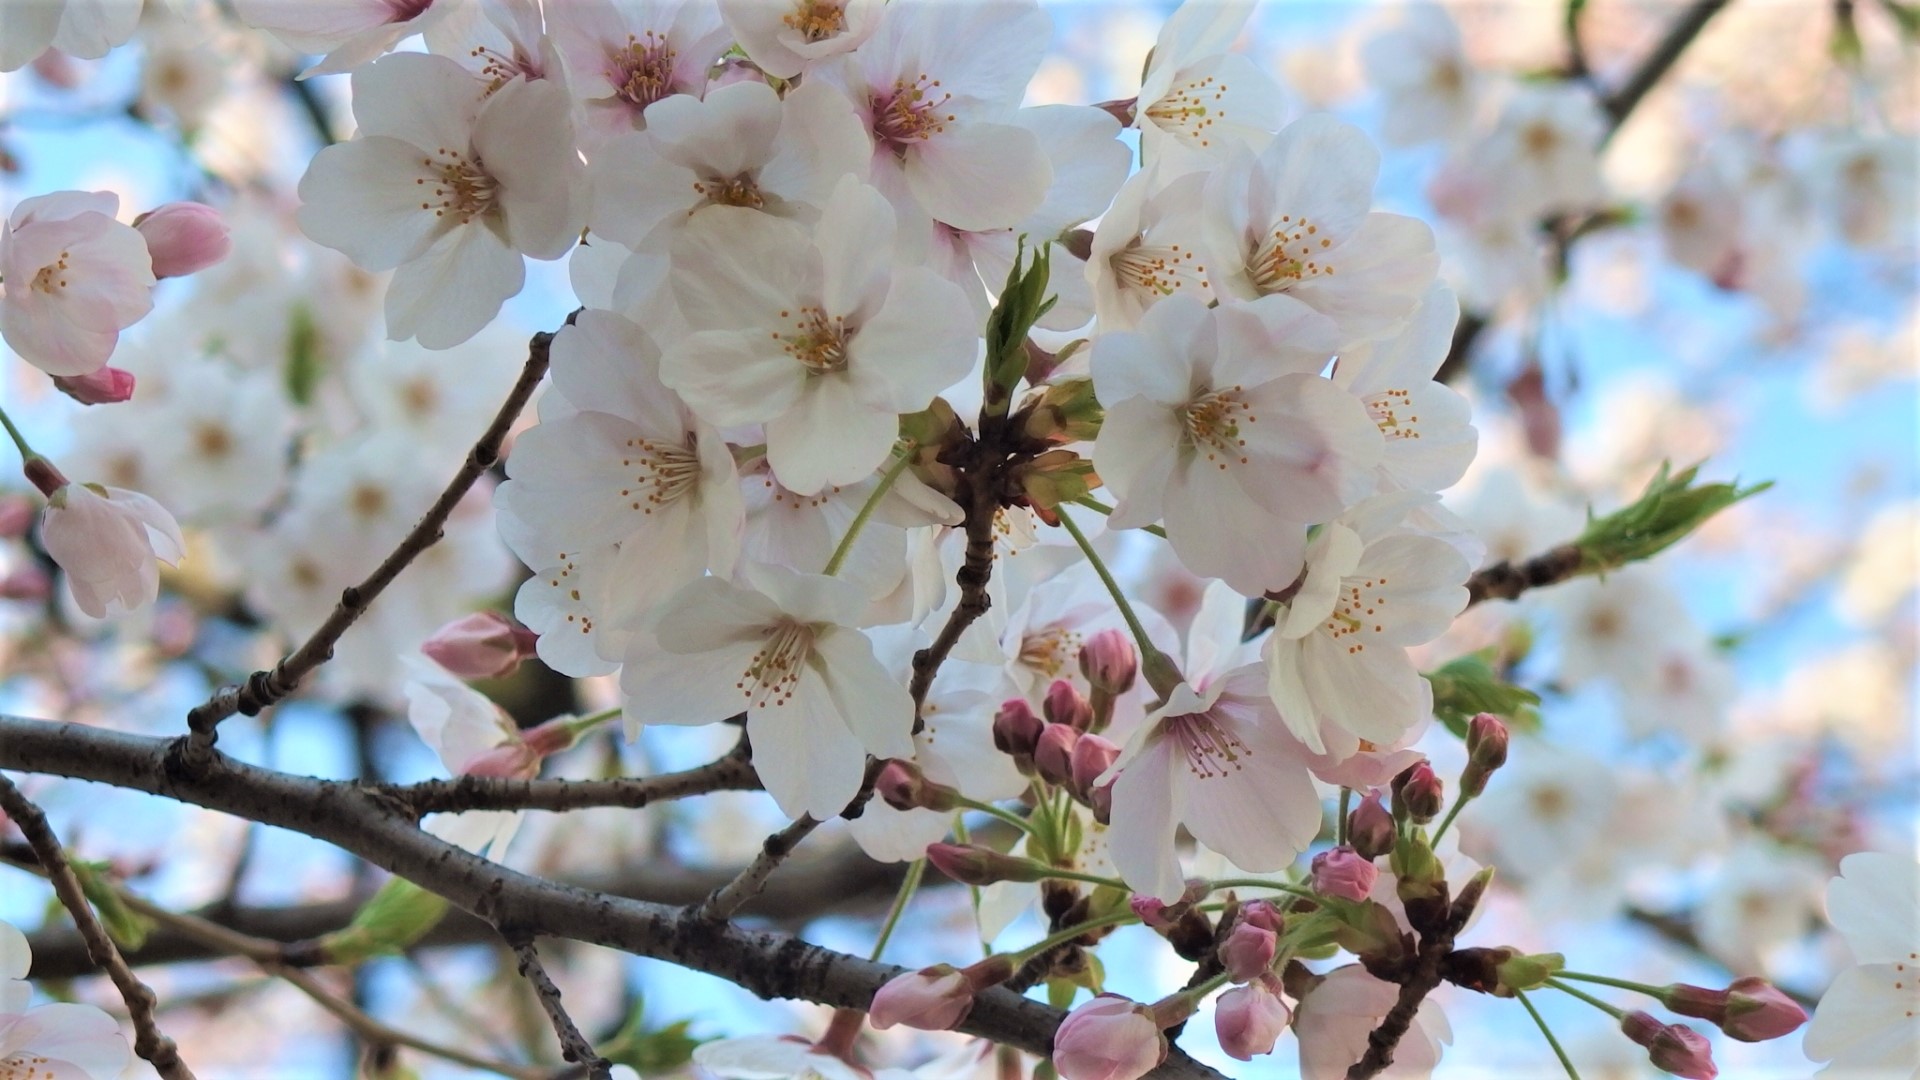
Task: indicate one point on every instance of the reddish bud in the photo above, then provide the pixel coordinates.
(970, 864)
(1419, 793)
(1110, 662)
(1486, 752)
(1092, 756)
(1263, 914)
(1250, 1019)
(1064, 705)
(1156, 914)
(1751, 1010)
(1053, 755)
(1674, 1048)
(1016, 729)
(509, 761)
(183, 237)
(903, 786)
(1343, 873)
(1248, 951)
(1108, 1038)
(484, 645)
(26, 582)
(1370, 829)
(105, 386)
(43, 475)
(17, 514)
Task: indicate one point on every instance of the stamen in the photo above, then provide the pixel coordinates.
(1048, 651)
(910, 114)
(463, 189)
(818, 341)
(773, 673)
(1293, 252)
(1159, 270)
(666, 472)
(1211, 750)
(642, 71)
(1190, 109)
(1386, 408)
(817, 20)
(1212, 423)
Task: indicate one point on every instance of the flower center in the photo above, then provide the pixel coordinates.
(52, 277)
(1159, 270)
(1539, 139)
(818, 341)
(1355, 609)
(1189, 109)
(643, 70)
(741, 190)
(666, 472)
(1389, 411)
(1048, 651)
(774, 671)
(817, 20)
(1290, 254)
(1211, 750)
(1213, 422)
(462, 189)
(910, 114)
(499, 69)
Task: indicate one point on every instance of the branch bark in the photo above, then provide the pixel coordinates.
(364, 822)
(574, 1046)
(1506, 580)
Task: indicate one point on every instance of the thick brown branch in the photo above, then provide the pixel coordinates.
(976, 569)
(1506, 580)
(574, 1046)
(367, 824)
(148, 1042)
(632, 792)
(264, 688)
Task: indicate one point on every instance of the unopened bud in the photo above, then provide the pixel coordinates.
(1016, 729)
(103, 386)
(1093, 755)
(1109, 1038)
(1372, 933)
(509, 761)
(1064, 412)
(1110, 662)
(483, 645)
(1418, 793)
(936, 998)
(1064, 705)
(1263, 914)
(1674, 1048)
(1250, 1019)
(1370, 830)
(903, 786)
(970, 864)
(183, 237)
(1156, 913)
(1486, 752)
(1751, 1010)
(1343, 873)
(1053, 755)
(1248, 951)
(1055, 477)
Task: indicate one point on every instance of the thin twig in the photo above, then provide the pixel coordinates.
(728, 898)
(574, 1046)
(632, 792)
(264, 688)
(1506, 580)
(148, 1042)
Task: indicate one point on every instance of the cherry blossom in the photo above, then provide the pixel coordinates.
(74, 278)
(88, 29)
(1429, 441)
(1196, 98)
(107, 540)
(1422, 69)
(625, 56)
(449, 186)
(1333, 1019)
(785, 37)
(350, 33)
(64, 1040)
(1866, 1022)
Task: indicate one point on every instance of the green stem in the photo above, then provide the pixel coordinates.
(1452, 812)
(1071, 932)
(1588, 998)
(1606, 980)
(1009, 817)
(1091, 879)
(1340, 824)
(1541, 1023)
(1257, 883)
(1092, 503)
(1147, 651)
(582, 724)
(866, 509)
(26, 451)
(915, 871)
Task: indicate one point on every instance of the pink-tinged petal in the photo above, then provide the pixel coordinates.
(890, 835)
(695, 688)
(1142, 834)
(1218, 532)
(1410, 357)
(81, 1041)
(876, 707)
(1873, 903)
(1243, 106)
(1269, 337)
(635, 188)
(524, 135)
(1365, 686)
(1263, 811)
(855, 240)
(51, 343)
(820, 140)
(360, 198)
(814, 764)
(922, 341)
(454, 288)
(734, 377)
(1135, 456)
(30, 29)
(1157, 360)
(1323, 170)
(829, 436)
(1311, 448)
(428, 102)
(162, 532)
(979, 176)
(1430, 436)
(735, 267)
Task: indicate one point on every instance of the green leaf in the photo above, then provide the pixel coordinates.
(128, 929)
(1468, 685)
(1668, 510)
(400, 914)
(1060, 992)
(1023, 300)
(651, 1050)
(303, 355)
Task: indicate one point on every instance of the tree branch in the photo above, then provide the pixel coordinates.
(728, 898)
(148, 1042)
(365, 823)
(264, 688)
(1506, 580)
(633, 792)
(574, 1046)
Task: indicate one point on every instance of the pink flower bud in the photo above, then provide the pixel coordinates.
(551, 737)
(1092, 756)
(1064, 705)
(1154, 913)
(17, 515)
(1053, 754)
(1250, 1019)
(1342, 872)
(904, 787)
(970, 864)
(1108, 1038)
(483, 645)
(509, 761)
(1263, 914)
(106, 386)
(26, 582)
(1675, 1048)
(1016, 729)
(1248, 951)
(1751, 1010)
(1486, 752)
(1110, 662)
(183, 237)
(1370, 829)
(931, 999)
(1419, 792)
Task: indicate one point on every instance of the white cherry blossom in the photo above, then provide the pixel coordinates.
(349, 32)
(87, 29)
(1866, 1023)
(785, 37)
(821, 337)
(107, 541)
(1195, 97)
(63, 1041)
(73, 279)
(1219, 423)
(624, 55)
(1423, 72)
(1148, 246)
(1429, 439)
(450, 186)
